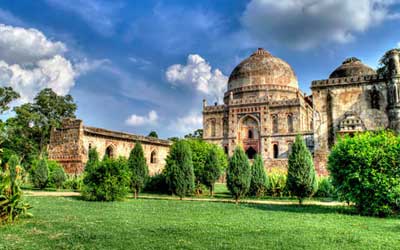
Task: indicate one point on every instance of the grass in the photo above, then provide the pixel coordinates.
(71, 223)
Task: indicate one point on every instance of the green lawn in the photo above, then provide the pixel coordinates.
(70, 223)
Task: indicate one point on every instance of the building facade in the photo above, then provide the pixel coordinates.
(70, 144)
(264, 108)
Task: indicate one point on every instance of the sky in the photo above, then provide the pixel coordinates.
(137, 66)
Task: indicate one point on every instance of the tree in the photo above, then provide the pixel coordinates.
(365, 170)
(301, 181)
(40, 174)
(28, 132)
(212, 169)
(179, 169)
(7, 95)
(197, 134)
(385, 66)
(153, 134)
(238, 174)
(93, 159)
(139, 171)
(58, 177)
(200, 150)
(259, 178)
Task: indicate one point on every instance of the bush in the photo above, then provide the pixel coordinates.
(107, 180)
(365, 169)
(259, 178)
(73, 183)
(138, 169)
(40, 174)
(325, 188)
(179, 169)
(157, 184)
(301, 181)
(277, 183)
(58, 177)
(12, 204)
(238, 174)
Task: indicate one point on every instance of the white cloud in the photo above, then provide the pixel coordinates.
(307, 23)
(137, 120)
(198, 73)
(85, 65)
(188, 123)
(30, 62)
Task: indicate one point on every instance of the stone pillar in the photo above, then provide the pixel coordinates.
(394, 89)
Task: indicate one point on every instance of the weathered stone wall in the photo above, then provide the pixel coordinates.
(70, 145)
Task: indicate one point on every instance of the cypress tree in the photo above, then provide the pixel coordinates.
(179, 169)
(301, 180)
(238, 174)
(139, 171)
(41, 174)
(259, 178)
(93, 159)
(212, 169)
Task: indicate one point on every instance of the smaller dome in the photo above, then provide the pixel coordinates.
(352, 67)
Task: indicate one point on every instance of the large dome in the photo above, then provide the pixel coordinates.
(261, 68)
(352, 67)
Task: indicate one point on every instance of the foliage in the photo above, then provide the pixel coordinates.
(301, 181)
(28, 132)
(40, 174)
(7, 95)
(12, 204)
(384, 68)
(365, 169)
(277, 183)
(212, 169)
(197, 134)
(238, 174)
(153, 134)
(157, 184)
(58, 177)
(179, 169)
(107, 180)
(93, 159)
(325, 188)
(259, 178)
(139, 171)
(73, 183)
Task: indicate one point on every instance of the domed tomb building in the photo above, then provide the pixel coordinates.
(263, 111)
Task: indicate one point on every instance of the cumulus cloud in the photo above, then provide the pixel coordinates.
(188, 123)
(85, 65)
(136, 120)
(198, 73)
(307, 23)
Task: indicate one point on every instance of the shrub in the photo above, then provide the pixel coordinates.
(365, 169)
(301, 180)
(212, 169)
(107, 180)
(93, 159)
(238, 174)
(12, 204)
(73, 183)
(40, 174)
(58, 177)
(259, 179)
(179, 169)
(325, 188)
(139, 171)
(157, 184)
(277, 183)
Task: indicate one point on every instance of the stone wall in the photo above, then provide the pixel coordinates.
(70, 145)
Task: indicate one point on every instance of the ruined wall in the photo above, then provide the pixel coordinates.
(70, 144)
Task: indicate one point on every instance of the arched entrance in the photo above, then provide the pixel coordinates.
(251, 153)
(110, 152)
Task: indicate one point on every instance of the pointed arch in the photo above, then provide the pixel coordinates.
(153, 157)
(110, 151)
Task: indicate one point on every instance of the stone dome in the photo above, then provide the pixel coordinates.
(261, 68)
(352, 67)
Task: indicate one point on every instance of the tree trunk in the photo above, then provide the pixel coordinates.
(136, 195)
(212, 190)
(300, 201)
(237, 200)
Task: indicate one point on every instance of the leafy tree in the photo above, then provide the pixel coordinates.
(12, 204)
(200, 150)
(40, 174)
(107, 180)
(138, 169)
(212, 169)
(197, 134)
(28, 132)
(58, 177)
(301, 181)
(365, 170)
(179, 169)
(153, 134)
(259, 178)
(174, 139)
(7, 95)
(238, 174)
(93, 159)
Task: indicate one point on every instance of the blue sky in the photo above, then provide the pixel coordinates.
(138, 66)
